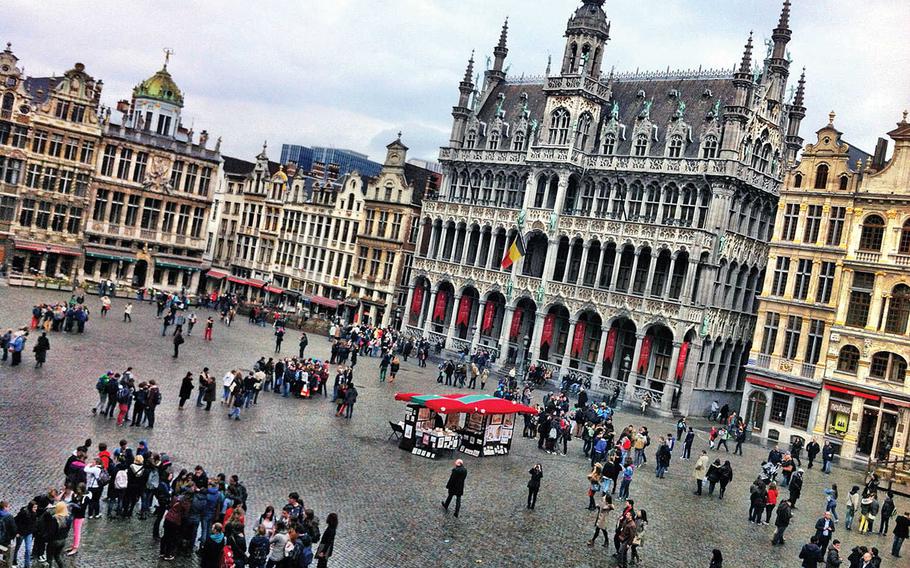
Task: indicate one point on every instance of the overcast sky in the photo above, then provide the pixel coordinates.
(351, 73)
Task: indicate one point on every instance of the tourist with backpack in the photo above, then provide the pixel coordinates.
(153, 399)
(124, 399)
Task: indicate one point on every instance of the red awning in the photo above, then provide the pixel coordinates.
(896, 402)
(784, 388)
(238, 280)
(41, 247)
(326, 302)
(500, 406)
(255, 283)
(274, 290)
(852, 392)
(216, 274)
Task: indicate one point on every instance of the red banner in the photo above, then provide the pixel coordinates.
(546, 336)
(517, 316)
(439, 312)
(417, 302)
(645, 354)
(578, 340)
(610, 349)
(681, 364)
(489, 312)
(464, 311)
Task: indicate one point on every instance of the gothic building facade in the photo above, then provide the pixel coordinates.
(644, 202)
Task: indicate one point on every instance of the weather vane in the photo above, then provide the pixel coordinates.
(168, 52)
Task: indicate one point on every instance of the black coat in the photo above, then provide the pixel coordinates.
(211, 553)
(534, 482)
(456, 480)
(186, 387)
(811, 555)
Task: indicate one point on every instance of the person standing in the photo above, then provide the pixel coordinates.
(26, 523)
(186, 388)
(824, 529)
(602, 520)
(781, 521)
(901, 532)
(811, 554)
(681, 428)
(41, 348)
(687, 444)
(327, 542)
(796, 487)
(812, 449)
(209, 325)
(304, 341)
(740, 438)
(852, 506)
(827, 457)
(717, 559)
(17, 344)
(536, 474)
(726, 476)
(58, 530)
(279, 337)
(455, 486)
(832, 560)
(886, 511)
(771, 502)
(701, 469)
(128, 312)
(662, 458)
(153, 399)
(178, 341)
(627, 471)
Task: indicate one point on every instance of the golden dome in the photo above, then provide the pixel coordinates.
(160, 87)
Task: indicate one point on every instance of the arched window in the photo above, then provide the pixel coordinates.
(471, 139)
(609, 143)
(709, 148)
(518, 143)
(798, 180)
(898, 310)
(641, 144)
(674, 149)
(873, 231)
(8, 102)
(583, 131)
(848, 359)
(559, 126)
(493, 143)
(636, 197)
(765, 158)
(843, 183)
(904, 246)
(888, 367)
(821, 176)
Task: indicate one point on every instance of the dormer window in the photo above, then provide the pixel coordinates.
(641, 144)
(609, 143)
(709, 147)
(518, 142)
(493, 143)
(470, 139)
(674, 148)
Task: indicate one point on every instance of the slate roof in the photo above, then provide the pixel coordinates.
(698, 92)
(39, 88)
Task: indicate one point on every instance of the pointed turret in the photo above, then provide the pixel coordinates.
(467, 83)
(500, 51)
(736, 113)
(782, 33)
(461, 111)
(587, 34)
(800, 90)
(795, 116)
(778, 63)
(745, 66)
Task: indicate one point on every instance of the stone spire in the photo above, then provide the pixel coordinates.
(781, 34)
(800, 90)
(469, 71)
(500, 51)
(795, 117)
(745, 66)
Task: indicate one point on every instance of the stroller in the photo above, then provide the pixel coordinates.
(768, 472)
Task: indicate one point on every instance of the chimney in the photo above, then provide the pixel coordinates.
(878, 158)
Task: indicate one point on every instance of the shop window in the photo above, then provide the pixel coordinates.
(779, 404)
(838, 418)
(802, 409)
(755, 413)
(848, 359)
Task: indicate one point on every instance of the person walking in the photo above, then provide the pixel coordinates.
(831, 501)
(852, 506)
(832, 559)
(901, 533)
(740, 438)
(602, 520)
(536, 474)
(812, 449)
(178, 341)
(455, 486)
(781, 522)
(796, 487)
(824, 529)
(42, 346)
(886, 511)
(811, 554)
(279, 337)
(128, 312)
(726, 476)
(713, 475)
(827, 457)
(26, 522)
(186, 388)
(57, 531)
(701, 469)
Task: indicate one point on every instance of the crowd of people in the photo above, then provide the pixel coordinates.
(190, 510)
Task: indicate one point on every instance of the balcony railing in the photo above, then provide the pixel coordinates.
(788, 366)
(863, 256)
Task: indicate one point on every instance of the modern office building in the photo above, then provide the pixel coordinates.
(348, 161)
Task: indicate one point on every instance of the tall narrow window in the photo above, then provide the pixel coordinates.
(836, 226)
(674, 149)
(709, 148)
(609, 143)
(791, 218)
(781, 274)
(798, 180)
(559, 126)
(814, 343)
(825, 282)
(872, 233)
(813, 222)
(801, 282)
(641, 144)
(107, 162)
(142, 159)
(493, 142)
(126, 161)
(821, 176)
(769, 339)
(791, 337)
(860, 299)
(898, 310)
(583, 132)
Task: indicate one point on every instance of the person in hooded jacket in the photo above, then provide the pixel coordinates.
(726, 476)
(213, 548)
(137, 477)
(852, 506)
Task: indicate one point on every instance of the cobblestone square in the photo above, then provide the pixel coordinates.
(387, 500)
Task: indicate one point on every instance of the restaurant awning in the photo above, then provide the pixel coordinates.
(178, 264)
(48, 248)
(466, 403)
(216, 274)
(325, 302)
(255, 283)
(274, 290)
(110, 254)
(785, 388)
(238, 280)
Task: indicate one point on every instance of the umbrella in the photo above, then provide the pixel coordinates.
(493, 405)
(406, 396)
(448, 405)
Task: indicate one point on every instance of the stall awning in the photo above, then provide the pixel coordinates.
(178, 264)
(255, 283)
(274, 290)
(325, 302)
(466, 403)
(216, 274)
(108, 254)
(776, 386)
(238, 280)
(852, 392)
(48, 248)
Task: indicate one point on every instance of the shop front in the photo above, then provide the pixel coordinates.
(779, 410)
(39, 259)
(864, 424)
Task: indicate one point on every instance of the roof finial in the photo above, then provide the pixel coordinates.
(9, 46)
(800, 89)
(784, 22)
(746, 64)
(904, 119)
(399, 135)
(469, 72)
(168, 52)
(831, 116)
(504, 34)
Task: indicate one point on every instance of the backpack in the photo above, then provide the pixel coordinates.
(227, 557)
(104, 477)
(121, 480)
(152, 481)
(156, 398)
(101, 385)
(124, 395)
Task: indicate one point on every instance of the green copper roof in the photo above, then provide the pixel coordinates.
(160, 87)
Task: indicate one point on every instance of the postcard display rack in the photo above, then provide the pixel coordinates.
(421, 436)
(487, 434)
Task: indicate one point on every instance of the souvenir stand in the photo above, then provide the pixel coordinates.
(433, 424)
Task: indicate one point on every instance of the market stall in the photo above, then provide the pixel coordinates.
(434, 423)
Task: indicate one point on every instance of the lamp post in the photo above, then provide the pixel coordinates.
(398, 319)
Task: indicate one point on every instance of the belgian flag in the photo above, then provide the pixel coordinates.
(515, 251)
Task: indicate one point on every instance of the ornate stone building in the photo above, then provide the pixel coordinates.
(49, 132)
(802, 289)
(151, 194)
(645, 202)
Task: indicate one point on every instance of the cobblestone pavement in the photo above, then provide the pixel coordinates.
(387, 500)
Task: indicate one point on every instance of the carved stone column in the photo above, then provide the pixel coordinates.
(631, 285)
(669, 281)
(667, 398)
(598, 367)
(450, 332)
(407, 307)
(586, 249)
